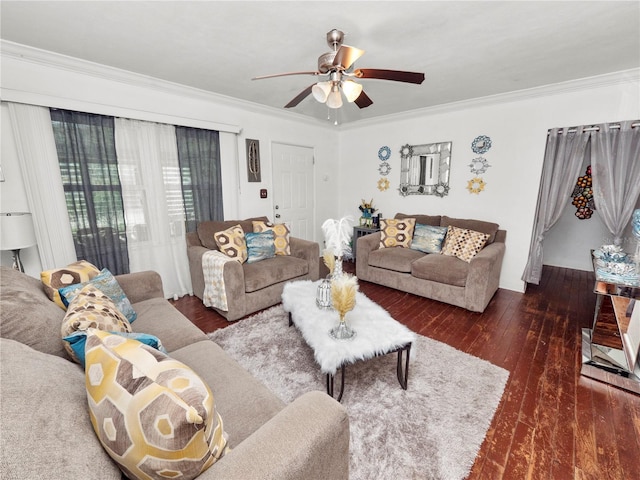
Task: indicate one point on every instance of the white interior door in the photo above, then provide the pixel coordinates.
(293, 192)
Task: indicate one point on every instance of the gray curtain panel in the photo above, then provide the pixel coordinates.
(615, 166)
(563, 159)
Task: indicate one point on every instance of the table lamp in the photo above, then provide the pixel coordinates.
(16, 232)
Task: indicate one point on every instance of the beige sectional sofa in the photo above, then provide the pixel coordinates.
(448, 279)
(251, 287)
(45, 431)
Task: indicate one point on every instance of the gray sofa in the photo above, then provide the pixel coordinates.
(45, 431)
(439, 277)
(251, 287)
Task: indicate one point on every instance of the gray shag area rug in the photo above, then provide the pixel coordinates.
(433, 430)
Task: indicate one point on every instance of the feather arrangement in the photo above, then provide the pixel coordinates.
(329, 260)
(337, 235)
(343, 294)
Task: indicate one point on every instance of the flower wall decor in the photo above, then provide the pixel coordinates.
(481, 144)
(383, 184)
(384, 168)
(384, 153)
(476, 185)
(479, 165)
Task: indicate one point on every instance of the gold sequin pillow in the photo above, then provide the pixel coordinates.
(91, 308)
(463, 243)
(280, 235)
(77, 272)
(396, 233)
(231, 242)
(153, 415)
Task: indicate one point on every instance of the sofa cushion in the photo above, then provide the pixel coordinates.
(260, 246)
(396, 233)
(153, 414)
(463, 243)
(281, 235)
(396, 259)
(55, 279)
(428, 238)
(107, 284)
(232, 243)
(27, 315)
(46, 431)
(423, 219)
(476, 225)
(91, 308)
(273, 270)
(207, 229)
(441, 269)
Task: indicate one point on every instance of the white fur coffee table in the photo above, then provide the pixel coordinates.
(377, 333)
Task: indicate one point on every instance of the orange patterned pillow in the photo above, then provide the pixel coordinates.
(462, 243)
(396, 233)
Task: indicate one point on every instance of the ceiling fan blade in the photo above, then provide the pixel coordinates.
(301, 96)
(363, 100)
(346, 55)
(284, 75)
(395, 75)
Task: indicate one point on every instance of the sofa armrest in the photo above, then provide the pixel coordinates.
(309, 251)
(366, 245)
(193, 240)
(141, 286)
(194, 254)
(484, 276)
(308, 439)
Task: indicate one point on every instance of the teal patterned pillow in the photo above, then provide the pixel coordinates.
(260, 246)
(107, 284)
(427, 238)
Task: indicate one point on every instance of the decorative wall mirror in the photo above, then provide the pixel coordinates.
(424, 169)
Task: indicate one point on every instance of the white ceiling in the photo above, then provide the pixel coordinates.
(466, 49)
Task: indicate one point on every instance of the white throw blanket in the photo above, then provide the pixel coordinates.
(215, 294)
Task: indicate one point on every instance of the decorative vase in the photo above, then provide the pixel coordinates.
(337, 269)
(342, 331)
(323, 294)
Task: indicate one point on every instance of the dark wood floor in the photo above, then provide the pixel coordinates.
(552, 423)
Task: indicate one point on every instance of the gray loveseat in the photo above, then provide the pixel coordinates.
(439, 277)
(45, 431)
(251, 287)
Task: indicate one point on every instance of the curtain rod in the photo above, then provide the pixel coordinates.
(595, 128)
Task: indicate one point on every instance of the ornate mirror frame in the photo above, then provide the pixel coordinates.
(424, 169)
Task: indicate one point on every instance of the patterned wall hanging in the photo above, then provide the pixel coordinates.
(384, 153)
(476, 185)
(479, 165)
(583, 196)
(384, 168)
(481, 144)
(383, 184)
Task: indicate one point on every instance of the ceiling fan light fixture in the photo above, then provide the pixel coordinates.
(321, 91)
(334, 100)
(351, 89)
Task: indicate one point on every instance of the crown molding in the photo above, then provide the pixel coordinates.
(37, 56)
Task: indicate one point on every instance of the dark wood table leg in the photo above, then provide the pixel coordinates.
(403, 377)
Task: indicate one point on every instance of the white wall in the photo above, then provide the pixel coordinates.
(518, 129)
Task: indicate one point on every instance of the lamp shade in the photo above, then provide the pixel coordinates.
(334, 100)
(351, 89)
(16, 231)
(320, 91)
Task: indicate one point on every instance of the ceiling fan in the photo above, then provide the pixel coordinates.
(337, 65)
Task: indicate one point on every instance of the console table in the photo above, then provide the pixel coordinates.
(360, 232)
(610, 347)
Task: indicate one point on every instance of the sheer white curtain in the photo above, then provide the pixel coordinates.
(563, 159)
(615, 166)
(152, 196)
(38, 160)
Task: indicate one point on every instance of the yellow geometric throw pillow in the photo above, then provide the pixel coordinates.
(153, 415)
(231, 242)
(280, 235)
(91, 308)
(462, 243)
(396, 233)
(77, 272)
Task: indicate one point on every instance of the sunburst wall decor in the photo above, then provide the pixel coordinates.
(383, 184)
(476, 185)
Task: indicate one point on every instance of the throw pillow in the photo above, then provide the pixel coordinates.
(91, 308)
(463, 243)
(427, 238)
(280, 235)
(396, 233)
(231, 242)
(260, 246)
(107, 284)
(78, 340)
(153, 415)
(77, 272)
